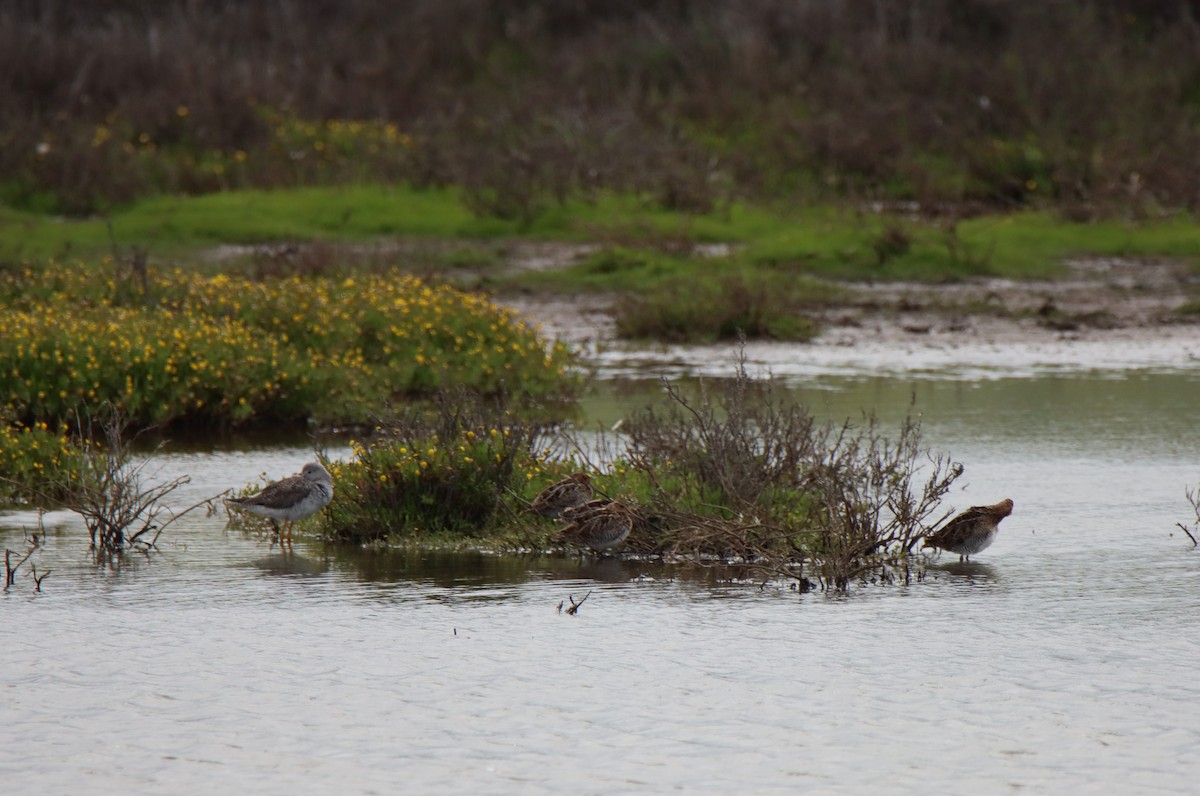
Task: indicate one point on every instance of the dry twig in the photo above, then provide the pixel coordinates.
(10, 569)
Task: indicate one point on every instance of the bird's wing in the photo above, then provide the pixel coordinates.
(281, 494)
(581, 512)
(549, 494)
(959, 523)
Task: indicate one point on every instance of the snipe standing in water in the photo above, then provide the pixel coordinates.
(599, 524)
(972, 531)
(572, 491)
(293, 498)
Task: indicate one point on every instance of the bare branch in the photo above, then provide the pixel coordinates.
(10, 569)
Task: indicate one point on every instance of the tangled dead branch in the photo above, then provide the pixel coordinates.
(110, 492)
(11, 569)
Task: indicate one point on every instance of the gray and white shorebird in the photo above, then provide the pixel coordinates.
(599, 524)
(572, 491)
(293, 498)
(972, 531)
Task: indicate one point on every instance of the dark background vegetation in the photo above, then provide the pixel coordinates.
(1092, 106)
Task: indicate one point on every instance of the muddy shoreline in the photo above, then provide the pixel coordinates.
(1106, 314)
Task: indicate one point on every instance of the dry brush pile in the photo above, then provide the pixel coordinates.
(745, 471)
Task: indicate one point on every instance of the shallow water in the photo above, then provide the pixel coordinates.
(1061, 660)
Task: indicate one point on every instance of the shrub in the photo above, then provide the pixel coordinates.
(181, 347)
(96, 476)
(705, 309)
(32, 457)
(452, 468)
(744, 471)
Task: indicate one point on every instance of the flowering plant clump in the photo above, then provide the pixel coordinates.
(183, 347)
(411, 485)
(33, 456)
(463, 465)
(333, 147)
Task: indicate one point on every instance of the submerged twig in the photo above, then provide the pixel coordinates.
(574, 609)
(1193, 497)
(10, 569)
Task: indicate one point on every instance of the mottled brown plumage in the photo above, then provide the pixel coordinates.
(581, 513)
(600, 524)
(572, 491)
(290, 499)
(972, 531)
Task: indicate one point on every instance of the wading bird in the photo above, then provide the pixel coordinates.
(290, 499)
(973, 530)
(572, 491)
(599, 524)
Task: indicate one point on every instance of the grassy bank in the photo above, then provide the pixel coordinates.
(845, 243)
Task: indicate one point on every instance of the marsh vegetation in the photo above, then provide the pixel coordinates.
(738, 472)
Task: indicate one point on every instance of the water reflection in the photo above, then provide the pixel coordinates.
(290, 564)
(443, 568)
(971, 572)
(477, 574)
(609, 569)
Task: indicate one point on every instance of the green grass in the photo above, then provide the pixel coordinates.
(1022, 242)
(174, 225)
(824, 241)
(1019, 246)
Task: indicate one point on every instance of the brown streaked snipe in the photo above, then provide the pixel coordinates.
(572, 491)
(585, 511)
(293, 498)
(972, 531)
(600, 525)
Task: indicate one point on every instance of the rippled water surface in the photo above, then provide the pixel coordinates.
(1063, 660)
